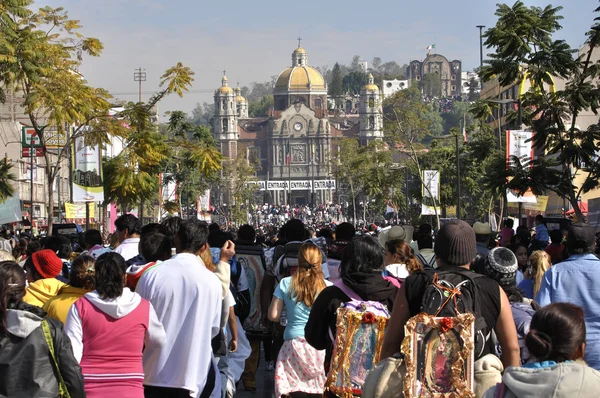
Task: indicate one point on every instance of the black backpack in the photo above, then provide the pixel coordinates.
(242, 304)
(453, 292)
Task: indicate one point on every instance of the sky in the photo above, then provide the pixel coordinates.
(253, 40)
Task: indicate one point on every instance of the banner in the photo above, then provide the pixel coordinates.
(431, 192)
(204, 201)
(519, 144)
(87, 173)
(75, 212)
(296, 185)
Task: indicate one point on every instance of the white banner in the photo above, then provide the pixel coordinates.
(87, 173)
(431, 180)
(519, 144)
(321, 185)
(296, 185)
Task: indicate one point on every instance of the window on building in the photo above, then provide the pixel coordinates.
(225, 124)
(453, 77)
(389, 85)
(224, 105)
(318, 103)
(371, 122)
(453, 88)
(371, 102)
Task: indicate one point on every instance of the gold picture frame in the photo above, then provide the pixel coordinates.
(439, 356)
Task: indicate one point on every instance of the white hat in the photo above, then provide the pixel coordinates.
(392, 233)
(482, 228)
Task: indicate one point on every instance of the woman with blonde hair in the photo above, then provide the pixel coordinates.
(540, 263)
(299, 371)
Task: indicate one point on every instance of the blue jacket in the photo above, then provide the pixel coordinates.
(577, 280)
(522, 313)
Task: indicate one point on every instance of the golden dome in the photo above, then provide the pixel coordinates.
(371, 87)
(300, 78)
(300, 50)
(239, 98)
(225, 90)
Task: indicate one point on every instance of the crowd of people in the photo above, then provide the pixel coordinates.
(176, 309)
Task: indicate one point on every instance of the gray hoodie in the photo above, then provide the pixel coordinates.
(563, 380)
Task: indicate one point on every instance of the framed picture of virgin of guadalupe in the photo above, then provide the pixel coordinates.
(439, 356)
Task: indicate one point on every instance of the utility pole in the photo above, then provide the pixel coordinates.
(139, 76)
(480, 27)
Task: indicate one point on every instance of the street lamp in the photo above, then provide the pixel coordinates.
(444, 137)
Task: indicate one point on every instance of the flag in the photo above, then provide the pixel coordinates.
(431, 47)
(464, 134)
(288, 155)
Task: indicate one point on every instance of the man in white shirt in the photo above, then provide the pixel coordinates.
(187, 298)
(129, 228)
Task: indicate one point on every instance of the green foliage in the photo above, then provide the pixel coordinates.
(354, 82)
(239, 173)
(6, 180)
(525, 48)
(336, 86)
(431, 85)
(261, 107)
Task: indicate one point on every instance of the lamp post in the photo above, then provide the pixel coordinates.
(443, 137)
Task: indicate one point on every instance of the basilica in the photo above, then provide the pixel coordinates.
(291, 146)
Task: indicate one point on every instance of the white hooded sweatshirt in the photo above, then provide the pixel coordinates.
(115, 308)
(563, 380)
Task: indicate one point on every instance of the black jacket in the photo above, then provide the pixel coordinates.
(323, 314)
(26, 367)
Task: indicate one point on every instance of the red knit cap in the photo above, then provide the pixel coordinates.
(47, 263)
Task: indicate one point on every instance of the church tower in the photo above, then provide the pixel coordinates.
(225, 124)
(241, 104)
(371, 113)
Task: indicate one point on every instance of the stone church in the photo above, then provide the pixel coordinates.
(291, 147)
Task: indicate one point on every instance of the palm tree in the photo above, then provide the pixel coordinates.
(6, 178)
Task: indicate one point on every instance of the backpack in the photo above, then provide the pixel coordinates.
(242, 304)
(453, 292)
(286, 259)
(425, 263)
(357, 344)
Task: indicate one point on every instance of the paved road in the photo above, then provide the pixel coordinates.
(264, 384)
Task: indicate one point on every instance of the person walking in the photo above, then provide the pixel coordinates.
(109, 329)
(129, 228)
(42, 268)
(556, 340)
(539, 264)
(188, 300)
(299, 370)
(35, 357)
(575, 281)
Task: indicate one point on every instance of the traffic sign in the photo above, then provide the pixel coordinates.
(26, 152)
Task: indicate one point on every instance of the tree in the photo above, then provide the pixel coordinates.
(355, 64)
(405, 127)
(194, 159)
(354, 82)
(132, 176)
(336, 88)
(262, 107)
(40, 55)
(431, 85)
(239, 173)
(525, 49)
(473, 90)
(203, 114)
(6, 180)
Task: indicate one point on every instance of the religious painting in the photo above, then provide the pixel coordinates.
(439, 356)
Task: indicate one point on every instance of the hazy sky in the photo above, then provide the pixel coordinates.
(253, 40)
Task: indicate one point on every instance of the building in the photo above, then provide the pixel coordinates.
(291, 147)
(390, 87)
(450, 73)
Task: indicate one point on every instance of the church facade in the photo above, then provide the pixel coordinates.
(291, 147)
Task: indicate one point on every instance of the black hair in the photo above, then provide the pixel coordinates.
(425, 241)
(513, 293)
(33, 247)
(482, 238)
(556, 332)
(31, 270)
(218, 238)
(83, 273)
(12, 290)
(556, 236)
(155, 246)
(191, 236)
(61, 245)
(110, 269)
(539, 218)
(325, 233)
(247, 233)
(152, 227)
(345, 232)
(295, 230)
(362, 254)
(214, 227)
(130, 223)
(170, 227)
(509, 223)
(92, 237)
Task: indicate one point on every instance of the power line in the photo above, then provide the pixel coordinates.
(199, 91)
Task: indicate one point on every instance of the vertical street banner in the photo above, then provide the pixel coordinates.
(203, 206)
(519, 144)
(87, 173)
(431, 192)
